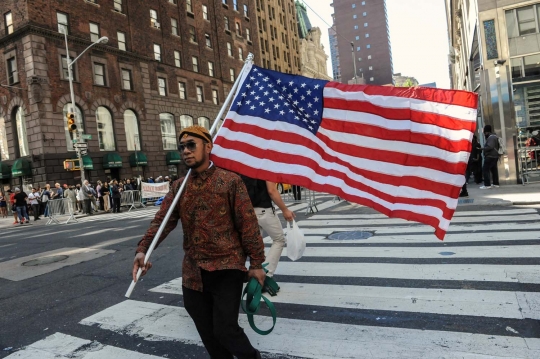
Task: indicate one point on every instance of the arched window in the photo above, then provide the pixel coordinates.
(20, 125)
(105, 129)
(4, 151)
(79, 121)
(168, 131)
(204, 122)
(131, 126)
(186, 121)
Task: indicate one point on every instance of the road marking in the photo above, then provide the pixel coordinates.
(61, 345)
(311, 339)
(467, 272)
(456, 214)
(115, 241)
(7, 245)
(15, 271)
(481, 303)
(531, 251)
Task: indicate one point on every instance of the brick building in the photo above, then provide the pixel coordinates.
(167, 64)
(278, 32)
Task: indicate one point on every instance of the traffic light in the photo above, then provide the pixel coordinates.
(71, 122)
(71, 165)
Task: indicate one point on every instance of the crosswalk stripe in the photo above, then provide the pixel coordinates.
(439, 301)
(531, 251)
(459, 272)
(61, 345)
(316, 339)
(508, 212)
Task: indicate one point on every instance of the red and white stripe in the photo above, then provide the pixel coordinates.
(402, 152)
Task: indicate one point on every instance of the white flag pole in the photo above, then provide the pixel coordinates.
(241, 77)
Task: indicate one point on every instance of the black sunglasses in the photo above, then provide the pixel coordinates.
(191, 146)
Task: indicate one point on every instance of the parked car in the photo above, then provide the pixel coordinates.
(283, 187)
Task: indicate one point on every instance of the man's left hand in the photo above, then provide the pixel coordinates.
(258, 274)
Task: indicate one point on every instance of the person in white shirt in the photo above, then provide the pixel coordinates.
(34, 203)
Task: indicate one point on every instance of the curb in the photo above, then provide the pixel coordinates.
(525, 203)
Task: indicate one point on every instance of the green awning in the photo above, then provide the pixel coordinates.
(87, 161)
(138, 159)
(21, 167)
(5, 171)
(173, 158)
(112, 160)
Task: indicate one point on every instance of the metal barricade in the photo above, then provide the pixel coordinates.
(131, 199)
(529, 163)
(60, 208)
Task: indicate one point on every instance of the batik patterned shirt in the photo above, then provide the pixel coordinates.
(219, 223)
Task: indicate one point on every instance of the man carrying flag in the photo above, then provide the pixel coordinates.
(220, 231)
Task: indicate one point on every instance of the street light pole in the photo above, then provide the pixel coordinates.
(354, 62)
(79, 131)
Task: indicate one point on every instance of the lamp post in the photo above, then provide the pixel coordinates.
(354, 62)
(79, 130)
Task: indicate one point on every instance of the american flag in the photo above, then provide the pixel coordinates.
(401, 151)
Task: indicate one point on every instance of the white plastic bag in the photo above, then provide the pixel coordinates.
(296, 243)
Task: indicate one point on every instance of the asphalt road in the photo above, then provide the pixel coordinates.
(34, 307)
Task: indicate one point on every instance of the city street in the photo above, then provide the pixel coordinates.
(399, 294)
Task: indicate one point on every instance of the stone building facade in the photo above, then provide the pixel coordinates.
(167, 64)
(278, 36)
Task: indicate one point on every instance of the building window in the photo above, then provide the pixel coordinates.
(186, 121)
(241, 54)
(246, 12)
(204, 122)
(238, 30)
(177, 59)
(369, 57)
(208, 41)
(162, 86)
(195, 63)
(174, 26)
(229, 49)
(172, 2)
(364, 14)
(121, 40)
(367, 35)
(4, 149)
(532, 65)
(353, 6)
(357, 37)
(368, 46)
(8, 20)
(62, 20)
(371, 67)
(99, 74)
(168, 131)
(248, 34)
(189, 7)
(526, 20)
(20, 125)
(182, 90)
(227, 25)
(357, 48)
(354, 16)
(356, 27)
(192, 35)
(65, 70)
(118, 5)
(215, 97)
(131, 126)
(200, 95)
(235, 5)
(94, 32)
(232, 74)
(491, 39)
(105, 129)
(211, 68)
(153, 18)
(157, 52)
(365, 24)
(372, 79)
(79, 121)
(205, 12)
(363, 3)
(127, 80)
(13, 74)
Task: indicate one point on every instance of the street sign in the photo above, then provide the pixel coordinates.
(86, 137)
(74, 140)
(81, 145)
(83, 152)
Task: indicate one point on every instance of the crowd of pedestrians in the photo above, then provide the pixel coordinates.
(87, 198)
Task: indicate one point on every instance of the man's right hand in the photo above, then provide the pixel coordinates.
(138, 262)
(288, 215)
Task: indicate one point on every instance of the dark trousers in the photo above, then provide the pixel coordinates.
(490, 166)
(35, 211)
(101, 203)
(297, 192)
(215, 313)
(116, 205)
(87, 206)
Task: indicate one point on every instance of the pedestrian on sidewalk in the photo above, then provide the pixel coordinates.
(20, 204)
(99, 195)
(72, 197)
(491, 157)
(86, 192)
(13, 207)
(105, 196)
(220, 231)
(116, 196)
(262, 194)
(45, 197)
(34, 203)
(3, 205)
(297, 192)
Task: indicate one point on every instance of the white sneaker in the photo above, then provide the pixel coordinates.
(495, 185)
(485, 187)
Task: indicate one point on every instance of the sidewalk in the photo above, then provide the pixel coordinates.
(506, 195)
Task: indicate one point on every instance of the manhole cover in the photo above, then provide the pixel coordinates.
(45, 260)
(351, 235)
(447, 253)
